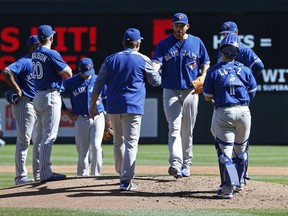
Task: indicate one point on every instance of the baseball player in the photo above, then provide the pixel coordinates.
(180, 57)
(231, 85)
(125, 73)
(246, 56)
(18, 76)
(89, 131)
(48, 70)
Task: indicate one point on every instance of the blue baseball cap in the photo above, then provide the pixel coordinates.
(180, 18)
(32, 40)
(132, 34)
(86, 67)
(230, 44)
(45, 31)
(228, 27)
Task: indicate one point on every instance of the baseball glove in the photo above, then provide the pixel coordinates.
(11, 96)
(198, 85)
(108, 134)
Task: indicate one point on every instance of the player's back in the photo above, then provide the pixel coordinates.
(232, 81)
(126, 82)
(46, 63)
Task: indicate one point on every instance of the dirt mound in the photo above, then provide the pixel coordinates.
(161, 192)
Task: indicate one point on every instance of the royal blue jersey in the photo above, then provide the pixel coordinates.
(46, 64)
(125, 73)
(249, 58)
(80, 93)
(229, 83)
(22, 69)
(180, 60)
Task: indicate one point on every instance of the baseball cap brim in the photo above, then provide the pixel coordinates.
(89, 72)
(181, 22)
(227, 32)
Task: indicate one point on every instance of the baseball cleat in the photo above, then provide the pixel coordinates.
(174, 172)
(185, 172)
(225, 192)
(127, 186)
(55, 177)
(23, 180)
(239, 187)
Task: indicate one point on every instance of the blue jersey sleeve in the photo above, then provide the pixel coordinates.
(22, 69)
(158, 54)
(203, 57)
(208, 89)
(17, 67)
(249, 58)
(58, 61)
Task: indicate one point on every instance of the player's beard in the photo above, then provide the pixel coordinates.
(180, 34)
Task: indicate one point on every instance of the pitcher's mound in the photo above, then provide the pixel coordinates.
(161, 192)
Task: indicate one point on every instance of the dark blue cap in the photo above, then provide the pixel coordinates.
(180, 18)
(132, 34)
(228, 27)
(86, 67)
(45, 31)
(32, 40)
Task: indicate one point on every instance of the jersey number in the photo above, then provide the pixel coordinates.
(232, 90)
(37, 70)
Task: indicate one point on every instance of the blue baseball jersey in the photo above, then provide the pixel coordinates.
(229, 83)
(80, 93)
(22, 69)
(180, 60)
(125, 73)
(46, 63)
(249, 58)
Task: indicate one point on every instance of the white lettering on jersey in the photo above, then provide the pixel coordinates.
(40, 56)
(171, 54)
(79, 91)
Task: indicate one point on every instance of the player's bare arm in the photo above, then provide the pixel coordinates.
(93, 111)
(66, 72)
(9, 79)
(205, 68)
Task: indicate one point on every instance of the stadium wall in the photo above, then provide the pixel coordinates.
(94, 29)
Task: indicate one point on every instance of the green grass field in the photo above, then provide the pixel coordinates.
(153, 155)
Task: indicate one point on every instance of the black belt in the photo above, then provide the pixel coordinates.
(234, 105)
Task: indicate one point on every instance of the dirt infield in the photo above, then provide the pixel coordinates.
(156, 190)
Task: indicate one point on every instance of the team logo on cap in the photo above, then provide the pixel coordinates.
(180, 17)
